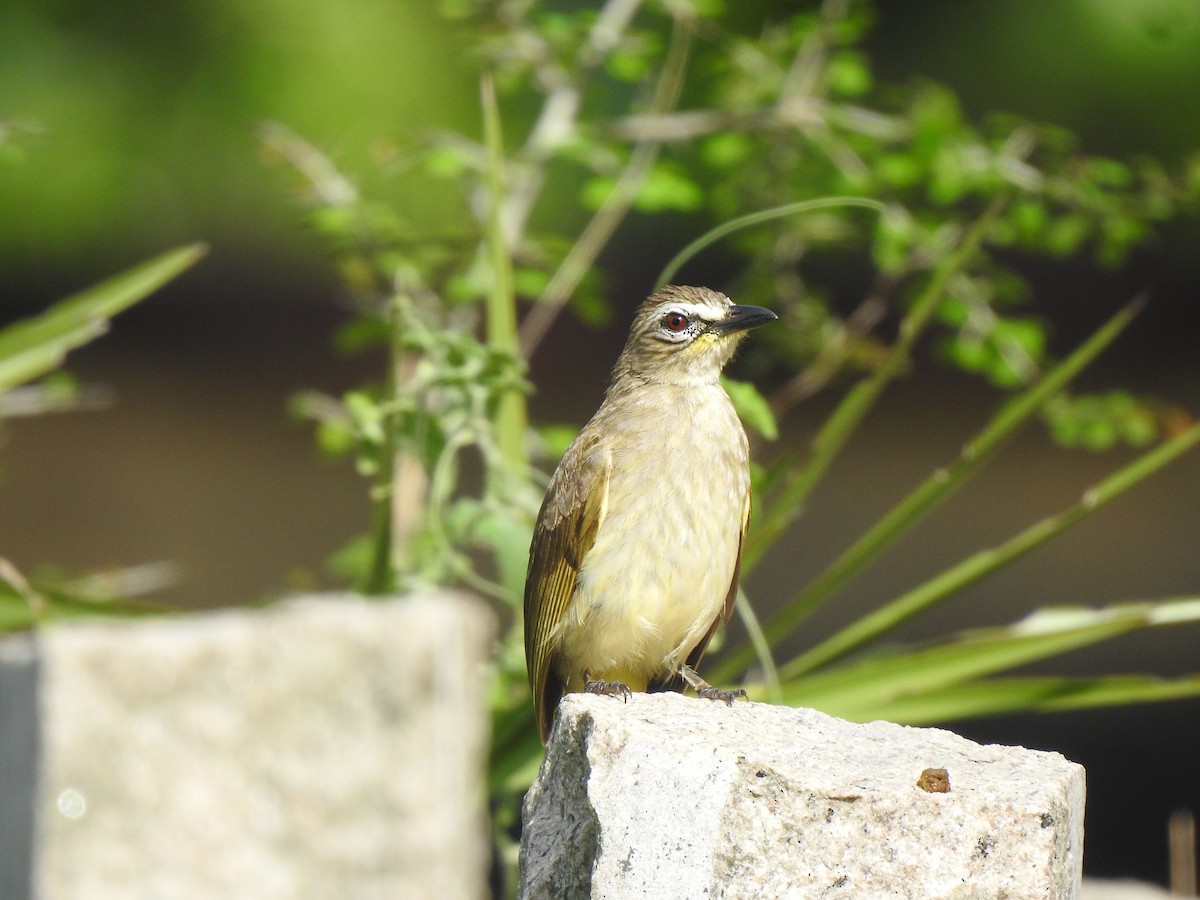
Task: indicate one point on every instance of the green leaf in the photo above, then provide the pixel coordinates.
(849, 74)
(362, 333)
(895, 234)
(34, 347)
(897, 170)
(1109, 172)
(997, 696)
(529, 282)
(591, 307)
(726, 149)
(752, 407)
(1028, 218)
(1066, 233)
(1100, 421)
(866, 689)
(668, 187)
(366, 414)
(596, 191)
(335, 438)
(16, 612)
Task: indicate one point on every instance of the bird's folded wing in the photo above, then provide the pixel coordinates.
(566, 529)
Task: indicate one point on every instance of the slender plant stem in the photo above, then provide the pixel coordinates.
(380, 575)
(757, 218)
(389, 544)
(409, 489)
(511, 418)
(987, 561)
(761, 648)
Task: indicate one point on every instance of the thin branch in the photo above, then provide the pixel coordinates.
(330, 185)
(762, 648)
(11, 575)
(607, 30)
(556, 121)
(834, 353)
(39, 399)
(694, 123)
(602, 225)
(802, 81)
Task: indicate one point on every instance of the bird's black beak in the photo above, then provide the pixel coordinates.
(741, 318)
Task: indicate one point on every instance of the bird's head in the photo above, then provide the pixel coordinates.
(686, 334)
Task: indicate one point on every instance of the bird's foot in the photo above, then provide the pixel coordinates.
(706, 691)
(606, 688)
(711, 693)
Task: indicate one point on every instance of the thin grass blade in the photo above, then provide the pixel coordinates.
(36, 346)
(680, 259)
(983, 563)
(868, 686)
(999, 696)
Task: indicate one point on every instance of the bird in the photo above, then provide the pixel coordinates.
(637, 546)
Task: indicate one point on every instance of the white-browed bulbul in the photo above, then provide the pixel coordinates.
(635, 555)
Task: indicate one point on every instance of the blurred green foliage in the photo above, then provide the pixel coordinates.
(1114, 72)
(775, 134)
(138, 119)
(462, 236)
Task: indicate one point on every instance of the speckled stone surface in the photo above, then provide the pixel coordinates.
(668, 796)
(324, 747)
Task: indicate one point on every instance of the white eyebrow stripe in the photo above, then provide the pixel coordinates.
(701, 311)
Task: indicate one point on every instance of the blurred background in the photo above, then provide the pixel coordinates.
(135, 130)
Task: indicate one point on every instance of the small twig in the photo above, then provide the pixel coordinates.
(39, 399)
(687, 125)
(128, 581)
(555, 123)
(606, 31)
(802, 87)
(330, 185)
(835, 352)
(694, 123)
(801, 82)
(12, 576)
(602, 225)
(1181, 839)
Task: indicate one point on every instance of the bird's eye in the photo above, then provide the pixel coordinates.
(675, 321)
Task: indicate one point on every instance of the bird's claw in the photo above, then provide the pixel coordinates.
(608, 689)
(711, 693)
